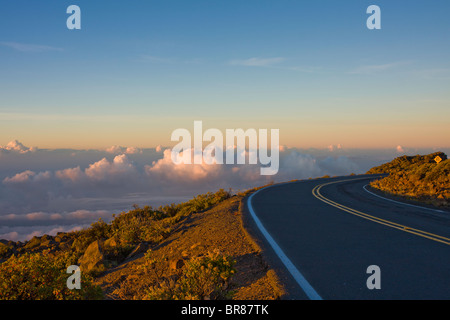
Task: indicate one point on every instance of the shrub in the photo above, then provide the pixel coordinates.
(417, 178)
(40, 276)
(148, 224)
(202, 278)
(207, 277)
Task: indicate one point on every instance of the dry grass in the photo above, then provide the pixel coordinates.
(217, 229)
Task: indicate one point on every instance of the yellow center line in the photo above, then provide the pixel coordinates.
(316, 193)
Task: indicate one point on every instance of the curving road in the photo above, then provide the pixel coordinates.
(322, 235)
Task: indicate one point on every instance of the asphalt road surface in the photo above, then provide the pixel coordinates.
(325, 233)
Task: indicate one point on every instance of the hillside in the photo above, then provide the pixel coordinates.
(194, 250)
(419, 178)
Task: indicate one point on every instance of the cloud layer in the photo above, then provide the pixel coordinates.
(46, 191)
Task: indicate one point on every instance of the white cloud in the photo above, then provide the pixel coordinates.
(400, 149)
(25, 47)
(81, 215)
(154, 59)
(27, 176)
(283, 148)
(306, 69)
(116, 149)
(123, 150)
(16, 146)
(257, 62)
(103, 169)
(165, 169)
(20, 177)
(377, 68)
(37, 216)
(13, 236)
(133, 150)
(72, 174)
(332, 147)
(24, 233)
(48, 189)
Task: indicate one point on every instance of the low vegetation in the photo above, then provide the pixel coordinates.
(419, 178)
(37, 268)
(203, 277)
(41, 276)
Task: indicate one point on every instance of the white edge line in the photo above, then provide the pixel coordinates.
(403, 203)
(299, 278)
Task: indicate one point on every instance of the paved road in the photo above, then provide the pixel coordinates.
(332, 230)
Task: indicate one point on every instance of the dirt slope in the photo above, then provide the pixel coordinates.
(219, 228)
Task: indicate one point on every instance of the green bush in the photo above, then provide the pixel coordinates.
(148, 224)
(40, 276)
(202, 278)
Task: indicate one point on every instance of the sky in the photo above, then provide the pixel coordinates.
(86, 116)
(137, 70)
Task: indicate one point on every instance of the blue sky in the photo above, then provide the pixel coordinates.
(137, 70)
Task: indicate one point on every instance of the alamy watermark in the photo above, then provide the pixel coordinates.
(74, 20)
(374, 280)
(222, 149)
(74, 281)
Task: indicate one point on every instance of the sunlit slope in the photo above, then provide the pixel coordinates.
(424, 178)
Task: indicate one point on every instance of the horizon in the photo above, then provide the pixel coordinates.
(331, 147)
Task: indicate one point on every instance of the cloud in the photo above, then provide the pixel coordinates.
(123, 175)
(154, 59)
(123, 150)
(293, 164)
(310, 69)
(25, 233)
(20, 177)
(16, 146)
(27, 176)
(25, 47)
(165, 170)
(334, 147)
(299, 166)
(337, 166)
(106, 170)
(132, 150)
(62, 189)
(373, 69)
(115, 149)
(257, 62)
(164, 60)
(21, 227)
(71, 174)
(400, 149)
(13, 236)
(119, 171)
